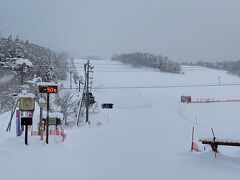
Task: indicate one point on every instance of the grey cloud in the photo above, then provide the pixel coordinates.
(183, 30)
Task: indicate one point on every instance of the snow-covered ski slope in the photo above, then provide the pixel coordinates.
(147, 134)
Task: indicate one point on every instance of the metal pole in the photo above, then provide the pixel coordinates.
(81, 105)
(47, 119)
(12, 113)
(26, 134)
(41, 124)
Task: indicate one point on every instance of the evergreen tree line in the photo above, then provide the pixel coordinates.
(232, 67)
(48, 65)
(138, 59)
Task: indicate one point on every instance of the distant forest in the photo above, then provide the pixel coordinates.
(232, 67)
(47, 64)
(92, 57)
(138, 59)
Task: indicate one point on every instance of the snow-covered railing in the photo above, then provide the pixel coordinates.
(214, 142)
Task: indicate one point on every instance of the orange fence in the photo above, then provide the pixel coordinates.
(213, 101)
(54, 132)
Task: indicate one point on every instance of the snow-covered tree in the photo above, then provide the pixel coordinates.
(19, 48)
(47, 64)
(67, 103)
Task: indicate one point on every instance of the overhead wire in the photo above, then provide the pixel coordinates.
(101, 66)
(163, 86)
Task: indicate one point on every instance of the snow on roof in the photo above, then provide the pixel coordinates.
(53, 115)
(42, 101)
(21, 61)
(47, 84)
(35, 80)
(27, 95)
(228, 140)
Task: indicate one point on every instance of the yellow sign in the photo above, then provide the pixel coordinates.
(26, 104)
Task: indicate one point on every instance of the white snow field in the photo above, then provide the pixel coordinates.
(146, 137)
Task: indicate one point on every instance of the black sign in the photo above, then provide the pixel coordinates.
(53, 121)
(26, 121)
(107, 106)
(90, 97)
(48, 89)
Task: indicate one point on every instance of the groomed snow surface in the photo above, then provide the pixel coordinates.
(147, 135)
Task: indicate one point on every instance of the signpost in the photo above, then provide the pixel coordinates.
(53, 121)
(26, 106)
(48, 88)
(107, 106)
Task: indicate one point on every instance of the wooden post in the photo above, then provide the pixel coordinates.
(192, 138)
(214, 145)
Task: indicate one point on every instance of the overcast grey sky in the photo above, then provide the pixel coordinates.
(183, 30)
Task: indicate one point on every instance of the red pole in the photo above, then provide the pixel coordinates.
(192, 138)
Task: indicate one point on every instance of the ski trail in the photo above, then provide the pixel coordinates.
(186, 118)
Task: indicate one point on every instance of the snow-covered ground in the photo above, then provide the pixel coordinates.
(147, 135)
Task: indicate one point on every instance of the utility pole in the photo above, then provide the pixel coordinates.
(85, 102)
(87, 90)
(71, 72)
(219, 80)
(79, 86)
